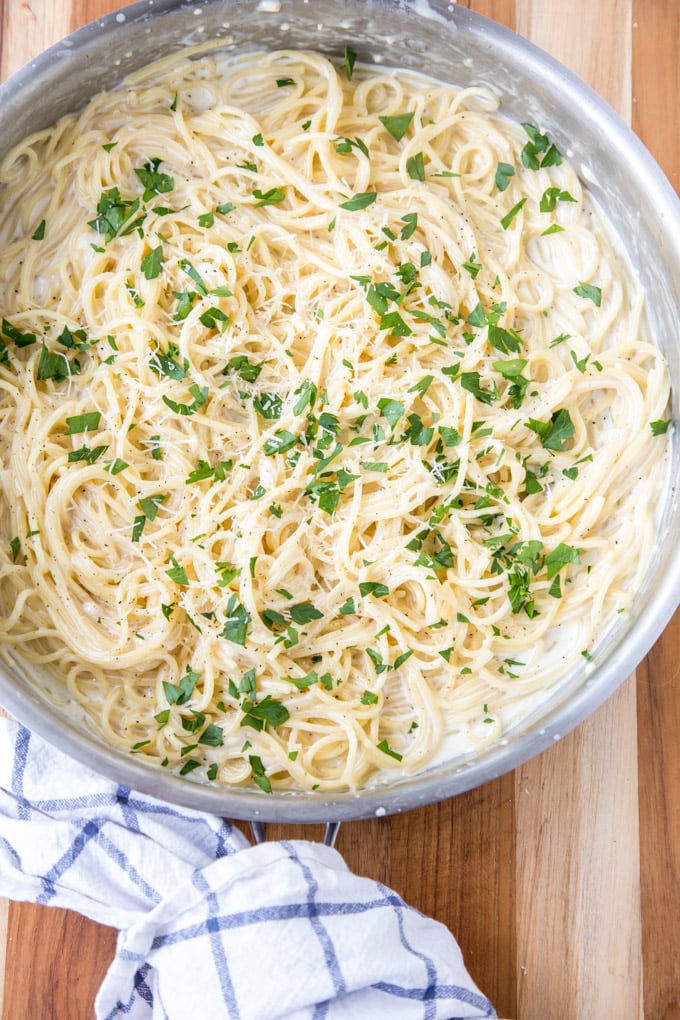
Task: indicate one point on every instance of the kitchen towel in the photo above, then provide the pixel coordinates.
(209, 925)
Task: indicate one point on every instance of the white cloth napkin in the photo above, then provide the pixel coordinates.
(209, 926)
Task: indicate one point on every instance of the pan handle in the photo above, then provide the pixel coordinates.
(330, 834)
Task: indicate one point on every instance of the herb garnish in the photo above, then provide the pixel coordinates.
(237, 621)
(155, 183)
(271, 197)
(87, 422)
(509, 216)
(590, 291)
(200, 396)
(359, 201)
(554, 433)
(152, 263)
(397, 125)
(415, 167)
(539, 151)
(504, 172)
(350, 61)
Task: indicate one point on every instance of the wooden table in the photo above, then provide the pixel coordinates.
(561, 880)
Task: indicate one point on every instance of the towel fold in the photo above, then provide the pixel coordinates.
(211, 927)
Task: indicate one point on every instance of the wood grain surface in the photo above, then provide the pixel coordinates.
(561, 881)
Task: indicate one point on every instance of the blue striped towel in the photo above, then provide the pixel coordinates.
(211, 927)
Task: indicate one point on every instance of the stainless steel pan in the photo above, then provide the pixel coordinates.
(452, 44)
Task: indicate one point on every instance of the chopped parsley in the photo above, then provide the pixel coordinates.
(551, 196)
(509, 216)
(415, 167)
(259, 775)
(271, 197)
(55, 366)
(350, 61)
(397, 125)
(504, 171)
(200, 396)
(373, 588)
(114, 215)
(237, 621)
(154, 182)
(152, 263)
(359, 201)
(87, 422)
(539, 152)
(590, 291)
(179, 693)
(386, 749)
(554, 433)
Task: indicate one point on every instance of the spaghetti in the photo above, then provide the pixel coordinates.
(330, 419)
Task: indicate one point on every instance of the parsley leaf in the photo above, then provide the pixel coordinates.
(373, 588)
(360, 201)
(350, 61)
(410, 221)
(211, 316)
(509, 216)
(155, 183)
(559, 558)
(590, 291)
(20, 339)
(504, 172)
(177, 573)
(473, 266)
(397, 125)
(55, 366)
(149, 505)
(259, 775)
(152, 263)
(113, 214)
(237, 621)
(471, 382)
(538, 151)
(268, 405)
(551, 196)
(212, 736)
(281, 441)
(415, 167)
(186, 266)
(271, 197)
(267, 712)
(241, 364)
(87, 422)
(179, 694)
(86, 454)
(504, 340)
(166, 363)
(386, 749)
(200, 396)
(554, 433)
(304, 612)
(391, 409)
(344, 145)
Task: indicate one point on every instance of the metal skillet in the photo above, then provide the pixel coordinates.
(453, 44)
